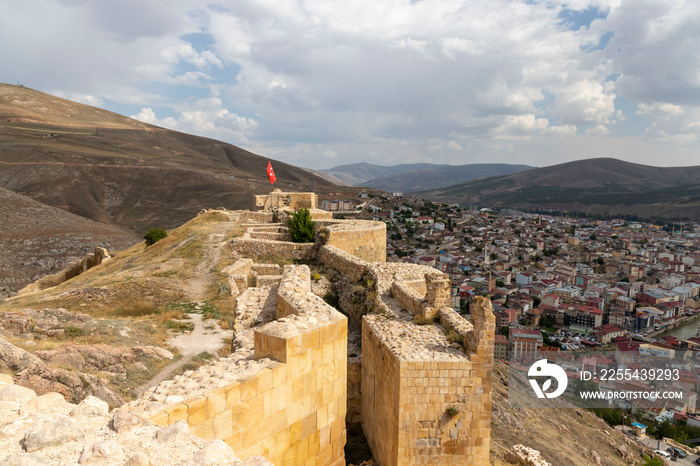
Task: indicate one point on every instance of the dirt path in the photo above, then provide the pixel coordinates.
(203, 276)
(206, 334)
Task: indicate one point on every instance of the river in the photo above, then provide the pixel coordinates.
(690, 329)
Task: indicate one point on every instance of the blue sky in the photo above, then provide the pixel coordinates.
(320, 83)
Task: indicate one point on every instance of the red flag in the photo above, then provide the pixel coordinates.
(271, 173)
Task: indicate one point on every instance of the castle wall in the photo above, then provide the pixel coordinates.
(73, 269)
(271, 250)
(292, 411)
(433, 409)
(282, 200)
(380, 398)
(363, 239)
(344, 262)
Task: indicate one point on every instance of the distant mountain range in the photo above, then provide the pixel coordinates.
(603, 186)
(357, 174)
(416, 176)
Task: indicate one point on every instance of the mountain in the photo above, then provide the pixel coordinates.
(603, 186)
(37, 239)
(122, 174)
(357, 174)
(440, 176)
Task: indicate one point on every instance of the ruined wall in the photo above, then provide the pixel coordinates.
(345, 263)
(380, 398)
(293, 410)
(271, 250)
(423, 297)
(281, 200)
(428, 404)
(363, 239)
(73, 269)
(238, 276)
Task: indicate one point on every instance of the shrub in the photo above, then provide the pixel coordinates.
(301, 227)
(154, 235)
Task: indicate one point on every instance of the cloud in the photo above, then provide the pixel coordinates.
(598, 130)
(204, 117)
(407, 80)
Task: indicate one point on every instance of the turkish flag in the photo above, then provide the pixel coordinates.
(271, 173)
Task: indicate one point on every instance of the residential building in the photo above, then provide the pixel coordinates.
(500, 347)
(525, 342)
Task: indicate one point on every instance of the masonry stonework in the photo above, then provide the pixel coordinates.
(420, 384)
(292, 411)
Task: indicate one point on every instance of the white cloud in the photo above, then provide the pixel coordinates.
(598, 130)
(403, 79)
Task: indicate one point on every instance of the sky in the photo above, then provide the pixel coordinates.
(321, 83)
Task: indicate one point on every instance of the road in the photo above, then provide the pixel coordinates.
(661, 445)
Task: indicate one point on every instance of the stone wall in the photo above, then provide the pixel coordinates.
(363, 239)
(73, 269)
(238, 275)
(293, 410)
(286, 200)
(344, 262)
(423, 297)
(271, 250)
(426, 389)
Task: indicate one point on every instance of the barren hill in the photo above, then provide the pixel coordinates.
(598, 186)
(36, 239)
(124, 174)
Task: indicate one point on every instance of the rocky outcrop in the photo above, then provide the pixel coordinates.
(45, 371)
(525, 456)
(32, 323)
(74, 386)
(100, 357)
(42, 430)
(13, 358)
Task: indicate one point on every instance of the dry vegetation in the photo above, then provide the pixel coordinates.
(563, 435)
(143, 295)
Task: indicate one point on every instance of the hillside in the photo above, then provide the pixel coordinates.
(127, 175)
(136, 298)
(36, 239)
(597, 186)
(563, 435)
(357, 174)
(441, 176)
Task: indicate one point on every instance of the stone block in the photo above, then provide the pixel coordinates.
(295, 432)
(178, 412)
(160, 419)
(223, 425)
(279, 374)
(264, 380)
(240, 417)
(249, 388)
(198, 410)
(216, 401)
(308, 425)
(233, 394)
(204, 429)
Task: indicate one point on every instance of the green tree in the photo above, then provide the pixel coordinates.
(154, 235)
(301, 227)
